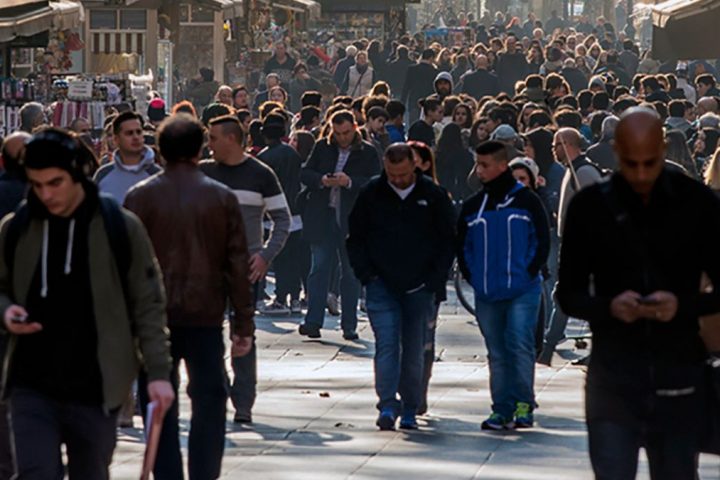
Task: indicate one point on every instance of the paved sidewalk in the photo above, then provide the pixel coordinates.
(314, 417)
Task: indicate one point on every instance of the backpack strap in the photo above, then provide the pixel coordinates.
(118, 237)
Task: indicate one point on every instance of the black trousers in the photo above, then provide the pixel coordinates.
(292, 266)
(40, 425)
(202, 350)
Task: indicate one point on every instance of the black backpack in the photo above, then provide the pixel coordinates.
(115, 228)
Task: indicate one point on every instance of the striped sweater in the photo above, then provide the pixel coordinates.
(259, 192)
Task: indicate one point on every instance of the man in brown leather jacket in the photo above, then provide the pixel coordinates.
(196, 227)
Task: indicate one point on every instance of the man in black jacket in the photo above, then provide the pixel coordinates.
(480, 82)
(401, 246)
(286, 163)
(511, 66)
(634, 250)
(397, 70)
(337, 169)
(419, 83)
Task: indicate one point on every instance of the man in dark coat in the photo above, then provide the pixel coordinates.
(633, 254)
(397, 71)
(480, 82)
(337, 169)
(419, 83)
(511, 66)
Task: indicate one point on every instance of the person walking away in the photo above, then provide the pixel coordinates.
(132, 161)
(422, 130)
(633, 253)
(286, 163)
(338, 167)
(505, 224)
(195, 225)
(79, 284)
(402, 275)
(419, 84)
(259, 193)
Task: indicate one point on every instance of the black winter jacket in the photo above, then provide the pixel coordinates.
(406, 243)
(286, 163)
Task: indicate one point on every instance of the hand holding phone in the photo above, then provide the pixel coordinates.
(16, 321)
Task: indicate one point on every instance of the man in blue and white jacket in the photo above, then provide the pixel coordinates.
(504, 240)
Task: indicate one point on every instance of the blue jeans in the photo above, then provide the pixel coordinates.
(323, 253)
(509, 330)
(399, 323)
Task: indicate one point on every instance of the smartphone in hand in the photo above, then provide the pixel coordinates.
(21, 319)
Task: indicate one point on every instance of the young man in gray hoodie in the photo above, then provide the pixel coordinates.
(132, 162)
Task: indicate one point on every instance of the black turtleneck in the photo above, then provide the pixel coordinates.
(498, 188)
(61, 361)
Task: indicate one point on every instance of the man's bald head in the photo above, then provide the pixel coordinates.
(481, 62)
(640, 148)
(567, 145)
(707, 104)
(12, 149)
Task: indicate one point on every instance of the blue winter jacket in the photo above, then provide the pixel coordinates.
(504, 240)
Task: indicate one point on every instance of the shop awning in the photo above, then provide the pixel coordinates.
(231, 8)
(311, 6)
(686, 30)
(43, 16)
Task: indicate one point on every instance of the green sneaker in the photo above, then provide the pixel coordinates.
(497, 422)
(524, 415)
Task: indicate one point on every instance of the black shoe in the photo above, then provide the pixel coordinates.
(408, 422)
(386, 420)
(308, 331)
(242, 417)
(350, 335)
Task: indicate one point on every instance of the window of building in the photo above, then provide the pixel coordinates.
(133, 19)
(103, 19)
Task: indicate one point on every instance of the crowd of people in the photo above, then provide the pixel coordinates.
(357, 180)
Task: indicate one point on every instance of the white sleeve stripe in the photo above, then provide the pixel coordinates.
(276, 202)
(249, 198)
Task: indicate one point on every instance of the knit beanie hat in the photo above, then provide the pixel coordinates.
(54, 148)
(273, 125)
(156, 110)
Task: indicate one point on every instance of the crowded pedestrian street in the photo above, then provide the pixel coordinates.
(314, 416)
(359, 239)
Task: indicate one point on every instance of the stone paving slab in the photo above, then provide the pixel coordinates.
(314, 416)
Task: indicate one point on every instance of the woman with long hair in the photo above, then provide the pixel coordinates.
(454, 162)
(712, 172)
(705, 146)
(444, 60)
(677, 151)
(424, 159)
(535, 58)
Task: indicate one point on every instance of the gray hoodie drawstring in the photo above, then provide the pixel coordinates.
(43, 267)
(69, 250)
(68, 254)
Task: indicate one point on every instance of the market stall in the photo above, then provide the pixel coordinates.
(686, 29)
(353, 19)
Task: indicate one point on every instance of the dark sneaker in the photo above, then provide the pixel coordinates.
(308, 331)
(408, 422)
(350, 335)
(295, 307)
(524, 416)
(386, 420)
(274, 308)
(242, 417)
(497, 422)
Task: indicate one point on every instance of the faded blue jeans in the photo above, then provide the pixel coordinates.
(399, 322)
(509, 330)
